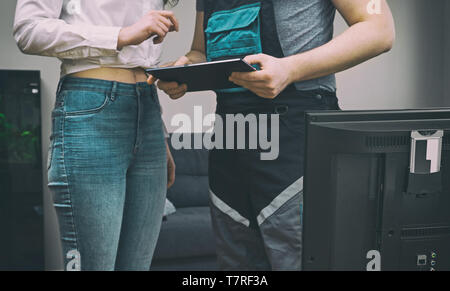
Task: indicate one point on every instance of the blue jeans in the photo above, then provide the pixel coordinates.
(107, 172)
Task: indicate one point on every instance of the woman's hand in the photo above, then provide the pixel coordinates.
(170, 167)
(154, 23)
(173, 89)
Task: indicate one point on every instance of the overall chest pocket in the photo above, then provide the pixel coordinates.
(234, 33)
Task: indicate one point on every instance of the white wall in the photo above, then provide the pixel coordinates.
(415, 74)
(411, 75)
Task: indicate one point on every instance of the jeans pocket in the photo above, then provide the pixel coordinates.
(78, 103)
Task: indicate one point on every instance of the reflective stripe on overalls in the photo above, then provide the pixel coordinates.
(256, 204)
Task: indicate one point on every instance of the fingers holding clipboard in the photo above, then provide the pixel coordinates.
(203, 76)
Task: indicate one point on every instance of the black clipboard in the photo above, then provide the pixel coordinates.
(203, 76)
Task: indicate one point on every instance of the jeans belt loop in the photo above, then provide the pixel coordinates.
(113, 91)
(138, 91)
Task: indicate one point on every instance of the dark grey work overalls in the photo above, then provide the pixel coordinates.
(257, 204)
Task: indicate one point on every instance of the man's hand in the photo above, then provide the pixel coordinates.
(270, 81)
(170, 168)
(173, 89)
(154, 23)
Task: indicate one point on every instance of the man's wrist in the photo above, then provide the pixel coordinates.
(294, 67)
(290, 68)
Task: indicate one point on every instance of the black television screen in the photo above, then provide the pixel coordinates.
(363, 203)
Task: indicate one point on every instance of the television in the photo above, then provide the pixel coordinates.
(377, 190)
(21, 172)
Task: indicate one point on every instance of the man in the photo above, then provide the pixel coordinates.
(256, 204)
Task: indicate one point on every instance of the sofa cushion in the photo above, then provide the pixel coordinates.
(191, 183)
(191, 162)
(186, 234)
(189, 191)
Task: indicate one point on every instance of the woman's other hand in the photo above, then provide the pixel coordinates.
(170, 167)
(173, 89)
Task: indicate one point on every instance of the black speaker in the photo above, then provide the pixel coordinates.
(21, 172)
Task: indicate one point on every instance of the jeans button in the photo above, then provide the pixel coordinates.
(319, 97)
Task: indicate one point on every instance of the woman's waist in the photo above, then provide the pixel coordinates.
(69, 83)
(122, 75)
(123, 67)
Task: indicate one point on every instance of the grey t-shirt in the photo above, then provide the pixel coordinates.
(303, 25)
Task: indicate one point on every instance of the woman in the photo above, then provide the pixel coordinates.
(108, 162)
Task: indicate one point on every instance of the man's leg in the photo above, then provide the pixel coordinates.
(239, 248)
(282, 232)
(276, 200)
(276, 190)
(239, 243)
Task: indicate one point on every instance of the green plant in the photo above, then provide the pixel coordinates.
(17, 145)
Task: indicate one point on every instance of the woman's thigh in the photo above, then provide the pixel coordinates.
(146, 189)
(92, 145)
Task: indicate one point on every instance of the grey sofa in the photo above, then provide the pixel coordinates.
(186, 241)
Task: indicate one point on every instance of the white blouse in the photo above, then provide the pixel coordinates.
(83, 34)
